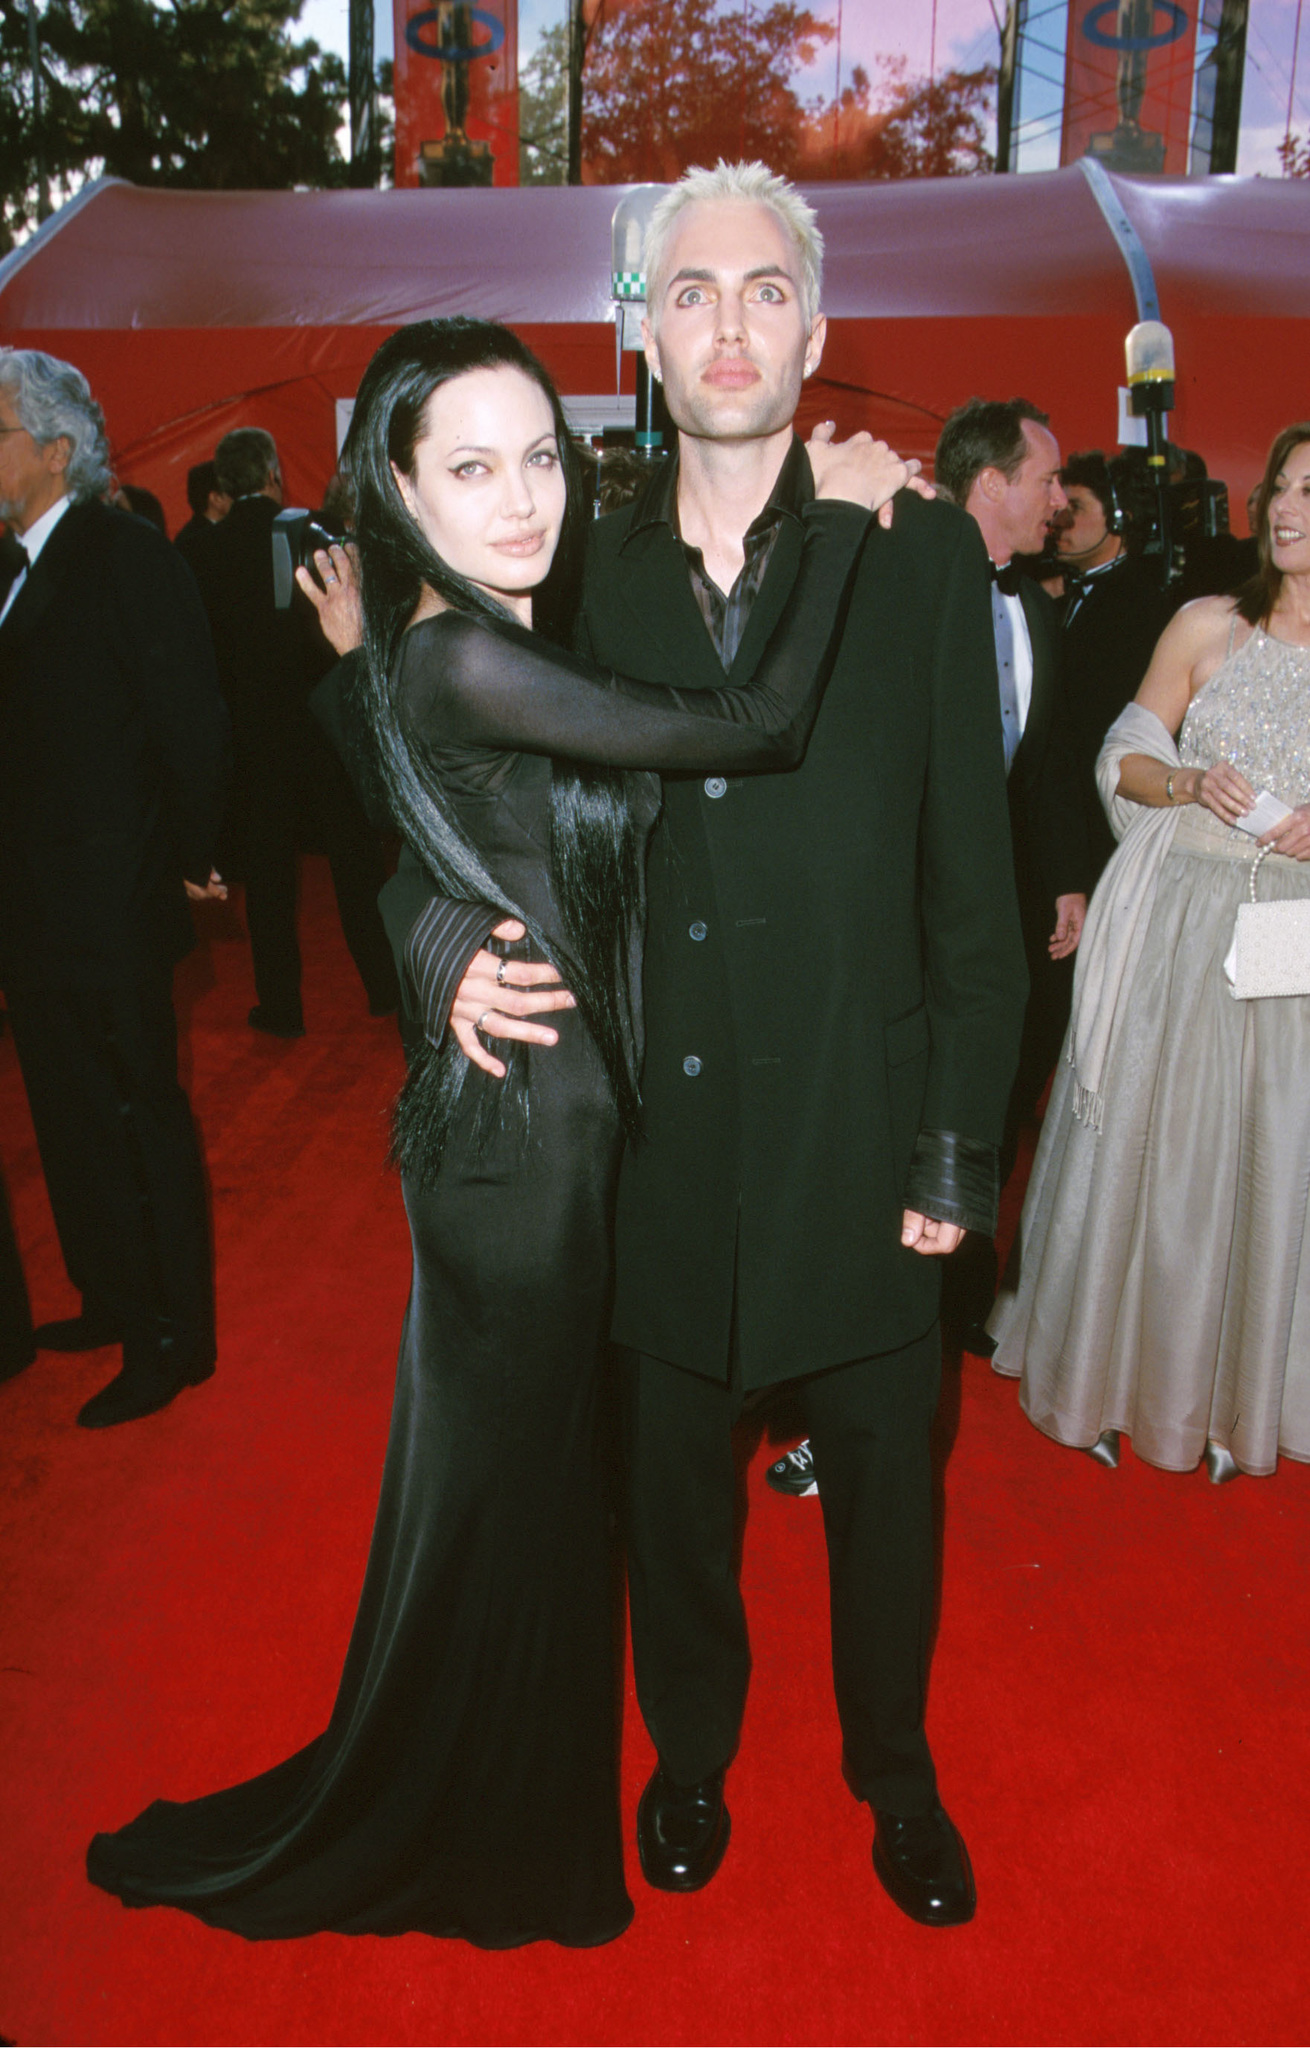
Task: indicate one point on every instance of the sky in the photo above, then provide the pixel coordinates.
(963, 34)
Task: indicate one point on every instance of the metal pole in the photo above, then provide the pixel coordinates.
(577, 52)
(1291, 82)
(38, 121)
(363, 111)
(1230, 67)
(1005, 122)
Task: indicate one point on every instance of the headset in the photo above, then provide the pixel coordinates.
(1116, 519)
(1112, 505)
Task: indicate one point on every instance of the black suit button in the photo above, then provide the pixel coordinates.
(691, 1066)
(715, 786)
(697, 930)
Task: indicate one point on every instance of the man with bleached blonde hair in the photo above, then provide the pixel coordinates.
(833, 990)
(749, 184)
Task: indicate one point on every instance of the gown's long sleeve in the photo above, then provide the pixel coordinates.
(467, 684)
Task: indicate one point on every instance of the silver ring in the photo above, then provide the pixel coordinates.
(500, 973)
(481, 1023)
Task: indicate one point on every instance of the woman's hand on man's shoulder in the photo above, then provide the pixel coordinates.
(862, 471)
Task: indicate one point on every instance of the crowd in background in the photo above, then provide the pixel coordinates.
(1080, 579)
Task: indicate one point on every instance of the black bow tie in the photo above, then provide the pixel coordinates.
(1007, 580)
(13, 556)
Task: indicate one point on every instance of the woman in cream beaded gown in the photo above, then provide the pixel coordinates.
(1161, 1282)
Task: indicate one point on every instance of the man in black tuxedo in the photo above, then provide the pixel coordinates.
(113, 761)
(833, 990)
(1115, 610)
(268, 660)
(209, 507)
(999, 459)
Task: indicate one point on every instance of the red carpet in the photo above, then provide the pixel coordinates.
(1118, 1709)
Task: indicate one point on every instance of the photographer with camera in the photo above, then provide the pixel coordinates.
(269, 658)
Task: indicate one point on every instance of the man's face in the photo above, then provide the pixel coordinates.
(1082, 527)
(730, 342)
(1021, 507)
(31, 474)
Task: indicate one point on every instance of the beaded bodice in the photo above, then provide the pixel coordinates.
(1255, 712)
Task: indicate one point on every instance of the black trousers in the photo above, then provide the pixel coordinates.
(273, 802)
(969, 1281)
(121, 1161)
(16, 1345)
(869, 1424)
(1045, 1021)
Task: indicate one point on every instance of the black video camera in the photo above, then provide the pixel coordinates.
(296, 535)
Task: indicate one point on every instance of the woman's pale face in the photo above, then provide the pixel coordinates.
(487, 486)
(1289, 513)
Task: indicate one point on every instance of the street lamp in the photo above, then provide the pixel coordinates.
(628, 289)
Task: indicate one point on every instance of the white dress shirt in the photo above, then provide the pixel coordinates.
(32, 542)
(1023, 651)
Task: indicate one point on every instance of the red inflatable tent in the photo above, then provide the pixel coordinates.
(194, 312)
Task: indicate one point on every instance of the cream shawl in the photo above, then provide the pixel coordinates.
(1120, 910)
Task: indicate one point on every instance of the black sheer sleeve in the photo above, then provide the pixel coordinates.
(467, 684)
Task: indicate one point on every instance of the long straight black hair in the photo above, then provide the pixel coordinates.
(594, 852)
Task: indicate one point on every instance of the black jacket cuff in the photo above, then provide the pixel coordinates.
(955, 1180)
(440, 945)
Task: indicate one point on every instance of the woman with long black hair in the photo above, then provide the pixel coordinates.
(466, 1783)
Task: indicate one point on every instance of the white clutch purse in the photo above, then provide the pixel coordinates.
(1270, 953)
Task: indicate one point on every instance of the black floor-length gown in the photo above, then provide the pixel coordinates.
(467, 1781)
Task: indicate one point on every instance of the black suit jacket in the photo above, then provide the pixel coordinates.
(1046, 815)
(260, 650)
(1108, 644)
(113, 756)
(833, 961)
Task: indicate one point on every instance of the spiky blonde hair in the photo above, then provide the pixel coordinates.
(752, 184)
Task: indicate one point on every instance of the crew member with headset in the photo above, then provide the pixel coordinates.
(1114, 612)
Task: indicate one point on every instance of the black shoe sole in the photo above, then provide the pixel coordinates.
(274, 1028)
(794, 1489)
(67, 1338)
(148, 1405)
(661, 1882)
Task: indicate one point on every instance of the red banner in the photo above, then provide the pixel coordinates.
(457, 92)
(1128, 84)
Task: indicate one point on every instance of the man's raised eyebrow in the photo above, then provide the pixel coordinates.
(711, 277)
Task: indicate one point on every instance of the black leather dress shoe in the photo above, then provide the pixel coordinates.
(16, 1359)
(277, 1024)
(77, 1333)
(977, 1341)
(682, 1831)
(923, 1866)
(140, 1390)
